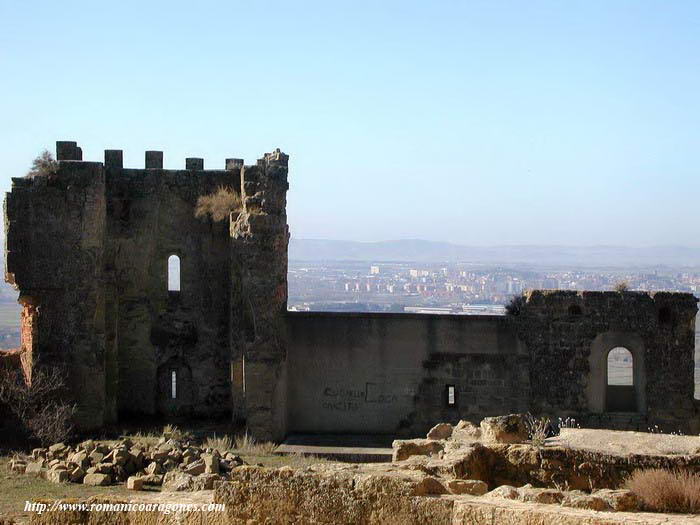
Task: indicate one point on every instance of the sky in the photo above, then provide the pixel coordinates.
(475, 122)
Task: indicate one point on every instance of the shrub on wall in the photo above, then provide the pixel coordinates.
(516, 305)
(218, 205)
(43, 166)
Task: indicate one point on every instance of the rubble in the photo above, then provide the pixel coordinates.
(176, 465)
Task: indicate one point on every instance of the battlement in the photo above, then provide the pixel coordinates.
(114, 159)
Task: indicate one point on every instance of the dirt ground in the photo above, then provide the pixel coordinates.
(626, 442)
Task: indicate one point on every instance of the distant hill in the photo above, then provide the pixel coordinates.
(432, 251)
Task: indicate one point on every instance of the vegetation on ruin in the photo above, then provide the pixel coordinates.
(44, 165)
(622, 286)
(666, 490)
(537, 429)
(218, 205)
(38, 405)
(516, 305)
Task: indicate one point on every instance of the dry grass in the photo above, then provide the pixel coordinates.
(220, 443)
(16, 489)
(173, 432)
(218, 205)
(666, 490)
(246, 444)
(537, 429)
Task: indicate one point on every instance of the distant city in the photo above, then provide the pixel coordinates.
(453, 288)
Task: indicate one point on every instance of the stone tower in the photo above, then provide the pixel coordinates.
(88, 249)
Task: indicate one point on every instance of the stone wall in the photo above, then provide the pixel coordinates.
(88, 248)
(390, 373)
(55, 255)
(569, 335)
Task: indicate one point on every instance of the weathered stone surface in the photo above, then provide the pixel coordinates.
(539, 495)
(466, 430)
(211, 463)
(620, 500)
(178, 481)
(58, 476)
(504, 429)
(97, 480)
(467, 486)
(335, 496)
(403, 449)
(440, 431)
(586, 501)
(77, 475)
(429, 486)
(504, 491)
(134, 483)
(196, 468)
(34, 468)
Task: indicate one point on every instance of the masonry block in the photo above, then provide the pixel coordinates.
(154, 160)
(193, 163)
(114, 158)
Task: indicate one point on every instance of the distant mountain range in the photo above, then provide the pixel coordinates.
(431, 251)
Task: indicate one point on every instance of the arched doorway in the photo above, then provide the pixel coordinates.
(606, 390)
(620, 393)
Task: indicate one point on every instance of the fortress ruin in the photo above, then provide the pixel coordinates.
(89, 247)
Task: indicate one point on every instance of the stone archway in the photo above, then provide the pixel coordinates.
(620, 394)
(597, 391)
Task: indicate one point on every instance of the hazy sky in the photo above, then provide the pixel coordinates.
(478, 122)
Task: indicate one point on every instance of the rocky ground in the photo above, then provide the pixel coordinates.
(462, 474)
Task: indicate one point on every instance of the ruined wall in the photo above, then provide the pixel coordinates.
(88, 249)
(152, 331)
(389, 373)
(260, 237)
(569, 335)
(55, 253)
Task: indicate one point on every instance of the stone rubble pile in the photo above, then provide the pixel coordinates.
(175, 465)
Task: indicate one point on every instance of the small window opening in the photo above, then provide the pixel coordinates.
(451, 398)
(575, 309)
(173, 273)
(173, 384)
(665, 316)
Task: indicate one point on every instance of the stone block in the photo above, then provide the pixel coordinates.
(504, 429)
(193, 163)
(154, 160)
(58, 476)
(472, 487)
(134, 483)
(440, 431)
(97, 480)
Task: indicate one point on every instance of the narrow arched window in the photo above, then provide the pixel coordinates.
(173, 384)
(173, 273)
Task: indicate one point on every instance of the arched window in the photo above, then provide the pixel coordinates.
(620, 367)
(620, 394)
(173, 273)
(173, 384)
